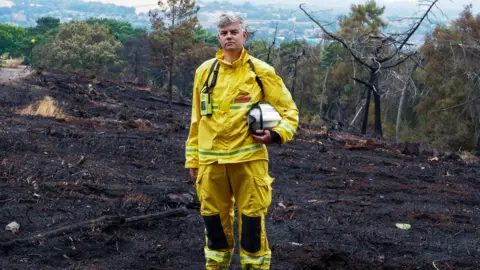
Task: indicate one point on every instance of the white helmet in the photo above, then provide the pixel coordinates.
(263, 116)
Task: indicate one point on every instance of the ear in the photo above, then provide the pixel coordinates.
(245, 34)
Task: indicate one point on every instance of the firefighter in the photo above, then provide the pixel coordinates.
(228, 161)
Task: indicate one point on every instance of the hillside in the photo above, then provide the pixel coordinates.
(113, 153)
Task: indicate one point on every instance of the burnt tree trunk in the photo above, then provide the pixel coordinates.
(170, 87)
(401, 102)
(367, 103)
(477, 136)
(378, 109)
(272, 45)
(294, 77)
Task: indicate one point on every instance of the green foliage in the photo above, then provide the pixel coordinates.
(363, 18)
(45, 28)
(447, 116)
(44, 24)
(79, 47)
(331, 53)
(122, 31)
(10, 37)
(201, 34)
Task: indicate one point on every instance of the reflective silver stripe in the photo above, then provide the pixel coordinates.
(252, 267)
(254, 260)
(288, 127)
(220, 266)
(191, 150)
(235, 107)
(240, 107)
(223, 153)
(219, 255)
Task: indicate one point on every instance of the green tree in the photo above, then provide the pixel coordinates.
(80, 47)
(10, 37)
(173, 36)
(202, 35)
(45, 28)
(122, 31)
(45, 24)
(363, 18)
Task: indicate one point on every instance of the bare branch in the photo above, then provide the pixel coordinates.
(367, 84)
(410, 33)
(400, 61)
(357, 58)
(455, 106)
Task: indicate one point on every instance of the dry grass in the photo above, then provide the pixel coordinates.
(11, 63)
(468, 157)
(46, 107)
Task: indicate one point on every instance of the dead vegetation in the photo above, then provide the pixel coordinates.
(94, 181)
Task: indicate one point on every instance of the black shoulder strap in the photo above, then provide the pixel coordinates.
(214, 79)
(256, 76)
(215, 75)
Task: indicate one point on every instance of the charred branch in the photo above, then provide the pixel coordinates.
(409, 33)
(339, 39)
(367, 84)
(399, 62)
(101, 222)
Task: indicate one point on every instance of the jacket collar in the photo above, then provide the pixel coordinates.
(239, 62)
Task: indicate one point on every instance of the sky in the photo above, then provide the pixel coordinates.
(5, 3)
(392, 6)
(449, 6)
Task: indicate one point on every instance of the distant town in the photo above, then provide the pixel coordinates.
(261, 19)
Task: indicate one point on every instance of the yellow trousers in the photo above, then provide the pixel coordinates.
(248, 185)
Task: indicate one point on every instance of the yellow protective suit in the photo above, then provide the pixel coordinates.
(232, 166)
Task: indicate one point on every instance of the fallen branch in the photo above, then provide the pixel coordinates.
(361, 203)
(81, 161)
(166, 101)
(101, 222)
(330, 201)
(178, 212)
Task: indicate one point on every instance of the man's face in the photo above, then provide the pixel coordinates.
(232, 37)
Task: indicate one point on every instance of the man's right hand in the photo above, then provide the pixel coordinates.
(194, 173)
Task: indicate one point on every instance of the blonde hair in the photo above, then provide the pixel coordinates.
(227, 19)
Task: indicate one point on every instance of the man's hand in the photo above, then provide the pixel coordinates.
(266, 138)
(194, 173)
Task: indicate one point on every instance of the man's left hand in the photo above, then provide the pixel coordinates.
(266, 138)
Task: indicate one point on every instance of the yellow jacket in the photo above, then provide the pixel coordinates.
(224, 136)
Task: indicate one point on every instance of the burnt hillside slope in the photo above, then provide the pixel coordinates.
(111, 151)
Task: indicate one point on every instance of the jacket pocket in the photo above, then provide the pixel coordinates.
(206, 133)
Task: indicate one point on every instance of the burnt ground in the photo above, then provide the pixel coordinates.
(117, 151)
